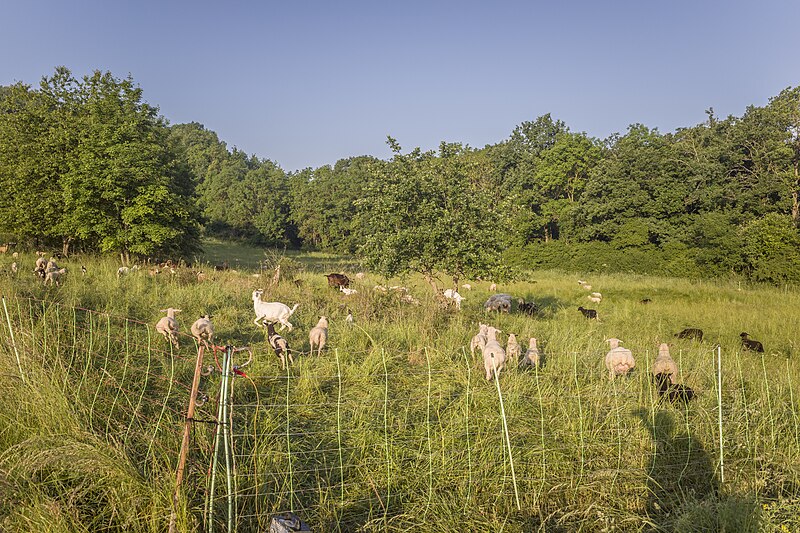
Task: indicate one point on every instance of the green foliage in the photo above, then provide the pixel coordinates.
(771, 249)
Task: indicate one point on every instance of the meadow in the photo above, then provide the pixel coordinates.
(394, 427)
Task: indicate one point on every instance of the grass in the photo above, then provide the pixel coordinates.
(394, 426)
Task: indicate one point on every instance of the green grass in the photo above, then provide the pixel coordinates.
(394, 426)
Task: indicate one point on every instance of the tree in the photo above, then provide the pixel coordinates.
(430, 214)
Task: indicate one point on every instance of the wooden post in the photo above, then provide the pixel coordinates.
(187, 429)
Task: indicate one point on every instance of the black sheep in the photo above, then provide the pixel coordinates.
(691, 333)
(588, 313)
(750, 344)
(674, 393)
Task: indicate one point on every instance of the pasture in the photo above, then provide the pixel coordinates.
(394, 427)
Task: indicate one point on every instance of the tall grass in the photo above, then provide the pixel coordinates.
(394, 427)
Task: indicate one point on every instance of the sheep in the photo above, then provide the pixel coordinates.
(453, 295)
(664, 364)
(498, 302)
(41, 262)
(14, 268)
(347, 291)
(674, 392)
(279, 345)
(493, 287)
(466, 286)
(168, 326)
(594, 299)
(54, 276)
(513, 349)
(750, 344)
(338, 280)
(588, 313)
(319, 335)
(532, 357)
(596, 295)
(619, 361)
(479, 340)
(271, 311)
(587, 286)
(691, 333)
(494, 357)
(203, 330)
(359, 275)
(123, 271)
(529, 308)
(582, 282)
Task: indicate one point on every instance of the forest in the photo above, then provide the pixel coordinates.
(87, 165)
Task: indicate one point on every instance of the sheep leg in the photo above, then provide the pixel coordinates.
(291, 358)
(257, 321)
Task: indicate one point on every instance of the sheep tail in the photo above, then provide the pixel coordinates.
(291, 312)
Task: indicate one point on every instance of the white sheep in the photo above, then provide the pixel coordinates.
(54, 276)
(597, 295)
(203, 329)
(513, 349)
(41, 262)
(359, 275)
(123, 271)
(494, 357)
(347, 291)
(168, 326)
(498, 302)
(594, 299)
(479, 340)
(453, 295)
(665, 364)
(466, 286)
(532, 357)
(493, 287)
(14, 267)
(619, 360)
(319, 335)
(271, 311)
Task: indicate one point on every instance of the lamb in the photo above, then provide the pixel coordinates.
(664, 364)
(493, 287)
(588, 313)
(674, 392)
(203, 330)
(168, 326)
(529, 308)
(347, 291)
(619, 361)
(493, 354)
(750, 344)
(691, 333)
(54, 276)
(279, 345)
(479, 340)
(594, 299)
(271, 311)
(453, 295)
(319, 335)
(532, 357)
(513, 349)
(597, 295)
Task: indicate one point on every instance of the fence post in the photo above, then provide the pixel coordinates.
(223, 393)
(719, 410)
(187, 428)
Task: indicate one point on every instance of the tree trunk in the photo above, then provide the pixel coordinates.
(65, 246)
(432, 282)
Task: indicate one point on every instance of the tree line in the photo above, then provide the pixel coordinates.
(88, 164)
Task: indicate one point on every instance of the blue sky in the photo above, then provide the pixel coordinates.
(307, 83)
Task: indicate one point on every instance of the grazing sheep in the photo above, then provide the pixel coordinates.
(532, 357)
(619, 360)
(479, 340)
(319, 335)
(530, 308)
(750, 344)
(279, 345)
(493, 287)
(347, 291)
(588, 313)
(168, 326)
(513, 350)
(498, 302)
(493, 354)
(665, 364)
(597, 295)
(582, 282)
(691, 333)
(203, 330)
(54, 276)
(123, 271)
(674, 392)
(594, 299)
(453, 295)
(271, 311)
(338, 280)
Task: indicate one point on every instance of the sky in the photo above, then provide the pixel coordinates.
(306, 83)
